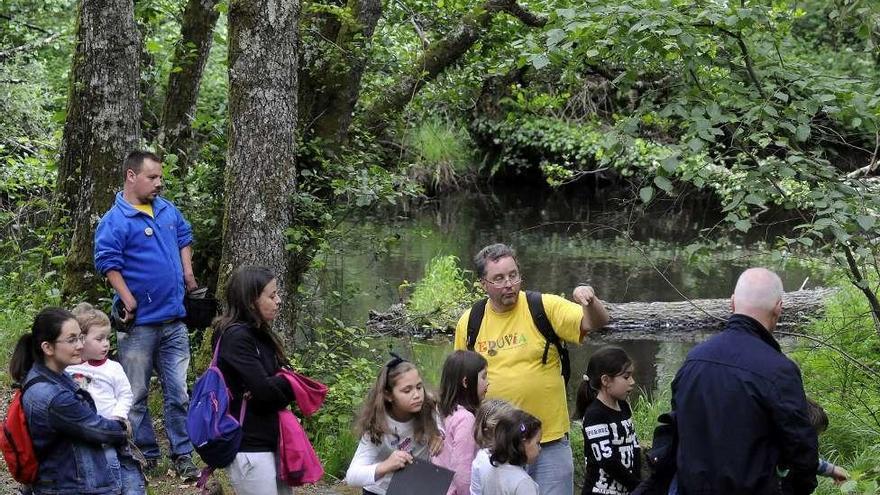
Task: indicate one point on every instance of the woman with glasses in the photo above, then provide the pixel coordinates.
(74, 446)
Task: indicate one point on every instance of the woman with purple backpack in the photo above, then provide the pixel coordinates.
(249, 356)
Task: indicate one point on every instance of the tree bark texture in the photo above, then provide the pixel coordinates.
(260, 169)
(190, 57)
(103, 124)
(330, 88)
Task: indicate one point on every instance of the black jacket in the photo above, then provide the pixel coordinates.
(248, 362)
(741, 412)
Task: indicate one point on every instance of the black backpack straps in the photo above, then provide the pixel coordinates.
(475, 321)
(539, 317)
(536, 308)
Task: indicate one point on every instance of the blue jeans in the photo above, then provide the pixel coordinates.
(126, 470)
(554, 468)
(165, 348)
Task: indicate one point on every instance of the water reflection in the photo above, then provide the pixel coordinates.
(562, 240)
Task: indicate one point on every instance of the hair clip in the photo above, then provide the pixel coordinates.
(522, 428)
(395, 360)
(586, 377)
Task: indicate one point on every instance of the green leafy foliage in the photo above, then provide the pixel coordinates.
(337, 356)
(438, 297)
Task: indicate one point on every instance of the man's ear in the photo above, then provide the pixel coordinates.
(777, 310)
(732, 304)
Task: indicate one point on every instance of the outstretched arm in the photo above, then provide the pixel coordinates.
(595, 314)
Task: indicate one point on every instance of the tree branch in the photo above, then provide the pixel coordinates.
(24, 23)
(28, 46)
(863, 286)
(440, 55)
(528, 18)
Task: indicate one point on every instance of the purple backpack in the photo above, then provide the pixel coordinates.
(215, 434)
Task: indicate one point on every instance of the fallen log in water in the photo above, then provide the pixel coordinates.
(703, 314)
(680, 320)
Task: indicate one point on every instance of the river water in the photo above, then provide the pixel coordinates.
(562, 239)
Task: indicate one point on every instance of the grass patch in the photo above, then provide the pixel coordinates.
(441, 153)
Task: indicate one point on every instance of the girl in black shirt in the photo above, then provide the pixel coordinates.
(611, 450)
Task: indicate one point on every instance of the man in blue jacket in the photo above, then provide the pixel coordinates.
(740, 403)
(143, 245)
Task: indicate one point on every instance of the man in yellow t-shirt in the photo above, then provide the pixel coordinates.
(514, 347)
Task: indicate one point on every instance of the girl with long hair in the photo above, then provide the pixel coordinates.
(611, 448)
(397, 424)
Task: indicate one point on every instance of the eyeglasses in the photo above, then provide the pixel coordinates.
(73, 340)
(500, 281)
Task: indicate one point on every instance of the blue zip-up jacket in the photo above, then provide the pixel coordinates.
(146, 251)
(70, 438)
(741, 412)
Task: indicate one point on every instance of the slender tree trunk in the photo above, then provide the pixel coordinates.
(260, 169)
(103, 124)
(190, 57)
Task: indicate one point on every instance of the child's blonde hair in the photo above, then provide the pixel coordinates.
(373, 419)
(89, 317)
(487, 418)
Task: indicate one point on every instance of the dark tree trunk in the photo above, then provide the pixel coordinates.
(260, 169)
(190, 57)
(103, 124)
(332, 87)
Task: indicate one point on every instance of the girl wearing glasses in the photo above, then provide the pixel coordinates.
(73, 444)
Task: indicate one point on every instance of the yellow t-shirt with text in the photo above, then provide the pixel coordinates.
(513, 347)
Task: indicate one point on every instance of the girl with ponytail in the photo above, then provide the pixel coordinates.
(611, 448)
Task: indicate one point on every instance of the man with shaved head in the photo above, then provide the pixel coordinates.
(740, 406)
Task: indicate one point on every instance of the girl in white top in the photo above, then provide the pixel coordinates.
(517, 443)
(109, 387)
(397, 424)
(484, 433)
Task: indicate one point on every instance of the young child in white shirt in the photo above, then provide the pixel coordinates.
(106, 383)
(487, 417)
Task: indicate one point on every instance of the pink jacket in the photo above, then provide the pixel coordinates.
(298, 462)
(459, 449)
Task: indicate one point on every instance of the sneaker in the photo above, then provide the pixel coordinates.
(185, 468)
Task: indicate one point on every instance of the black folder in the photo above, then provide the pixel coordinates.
(420, 478)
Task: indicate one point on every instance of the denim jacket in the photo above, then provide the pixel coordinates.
(71, 441)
